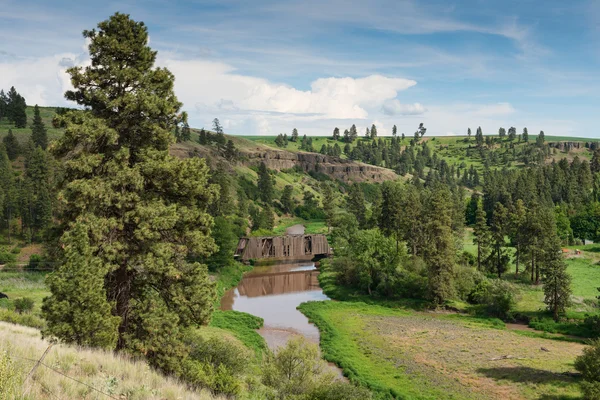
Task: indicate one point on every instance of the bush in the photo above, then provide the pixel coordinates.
(497, 296)
(6, 257)
(588, 364)
(592, 322)
(35, 262)
(295, 370)
(216, 363)
(10, 381)
(23, 305)
(31, 319)
(467, 279)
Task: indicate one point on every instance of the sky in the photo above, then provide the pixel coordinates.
(264, 67)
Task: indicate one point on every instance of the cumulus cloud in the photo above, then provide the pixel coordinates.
(394, 107)
(211, 86)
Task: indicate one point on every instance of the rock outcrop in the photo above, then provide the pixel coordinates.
(337, 168)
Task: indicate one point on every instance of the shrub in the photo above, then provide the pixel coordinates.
(6, 257)
(23, 305)
(295, 370)
(467, 279)
(588, 364)
(10, 381)
(35, 261)
(31, 319)
(216, 363)
(593, 324)
(497, 296)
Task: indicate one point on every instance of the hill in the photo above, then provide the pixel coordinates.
(69, 372)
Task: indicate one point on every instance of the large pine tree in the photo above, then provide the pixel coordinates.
(130, 213)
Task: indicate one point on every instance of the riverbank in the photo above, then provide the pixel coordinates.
(242, 325)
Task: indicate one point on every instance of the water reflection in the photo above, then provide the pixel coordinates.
(273, 293)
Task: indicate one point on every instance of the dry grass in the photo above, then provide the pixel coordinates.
(118, 376)
(419, 356)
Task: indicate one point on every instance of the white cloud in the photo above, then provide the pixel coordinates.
(394, 107)
(214, 88)
(41, 80)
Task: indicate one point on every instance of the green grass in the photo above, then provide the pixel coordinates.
(405, 354)
(241, 325)
(23, 284)
(23, 134)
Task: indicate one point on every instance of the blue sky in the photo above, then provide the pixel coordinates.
(265, 67)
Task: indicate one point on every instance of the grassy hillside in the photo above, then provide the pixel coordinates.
(456, 150)
(22, 134)
(114, 375)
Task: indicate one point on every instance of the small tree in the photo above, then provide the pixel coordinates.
(23, 305)
(294, 135)
(557, 283)
(39, 135)
(13, 149)
(588, 364)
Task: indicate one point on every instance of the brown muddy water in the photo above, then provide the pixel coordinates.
(272, 293)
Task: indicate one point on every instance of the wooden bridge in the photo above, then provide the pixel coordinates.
(285, 248)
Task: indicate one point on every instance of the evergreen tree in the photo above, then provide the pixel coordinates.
(3, 104)
(220, 136)
(78, 311)
(230, 151)
(525, 135)
(142, 211)
(9, 191)
(287, 200)
(502, 133)
(390, 217)
(328, 201)
(512, 133)
(557, 282)
(440, 251)
(394, 130)
(498, 230)
(482, 237)
(356, 204)
(403, 136)
(373, 132)
(16, 108)
(367, 133)
(39, 134)
(336, 133)
(469, 133)
(353, 133)
(294, 135)
(13, 148)
(518, 233)
(540, 139)
(479, 137)
(265, 184)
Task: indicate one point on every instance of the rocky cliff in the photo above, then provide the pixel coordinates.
(345, 170)
(337, 168)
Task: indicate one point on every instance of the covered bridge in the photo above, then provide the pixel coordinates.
(288, 247)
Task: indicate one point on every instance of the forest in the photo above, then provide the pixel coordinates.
(120, 222)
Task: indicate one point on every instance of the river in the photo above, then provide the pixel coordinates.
(272, 293)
